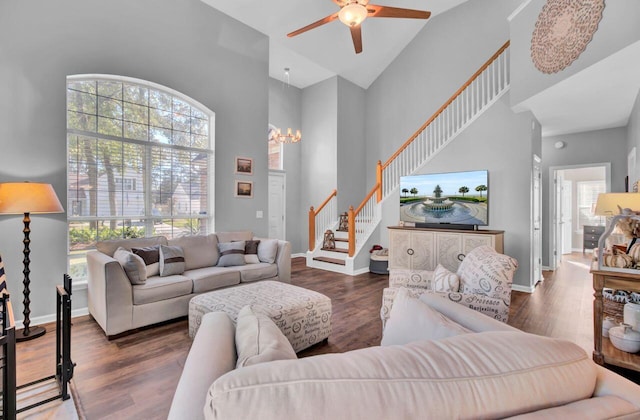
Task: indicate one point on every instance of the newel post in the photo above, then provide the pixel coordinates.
(352, 231)
(379, 181)
(312, 229)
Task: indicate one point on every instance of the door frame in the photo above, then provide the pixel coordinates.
(536, 267)
(283, 175)
(553, 234)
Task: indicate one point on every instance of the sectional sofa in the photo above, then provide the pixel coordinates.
(474, 367)
(121, 300)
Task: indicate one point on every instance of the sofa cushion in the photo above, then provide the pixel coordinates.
(251, 252)
(607, 407)
(444, 280)
(151, 257)
(484, 375)
(243, 235)
(260, 271)
(160, 288)
(412, 320)
(171, 260)
(199, 250)
(487, 272)
(133, 265)
(210, 278)
(259, 340)
(110, 246)
(231, 253)
(268, 250)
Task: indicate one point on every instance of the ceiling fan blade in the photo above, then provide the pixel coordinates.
(356, 35)
(321, 22)
(396, 12)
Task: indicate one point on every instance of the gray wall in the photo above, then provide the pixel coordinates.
(352, 185)
(633, 137)
(599, 146)
(319, 174)
(186, 46)
(285, 110)
(444, 55)
(617, 29)
(499, 141)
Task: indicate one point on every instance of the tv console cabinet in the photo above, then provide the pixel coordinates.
(425, 248)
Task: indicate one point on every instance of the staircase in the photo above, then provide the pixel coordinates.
(470, 101)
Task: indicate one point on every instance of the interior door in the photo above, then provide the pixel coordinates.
(277, 205)
(567, 217)
(536, 211)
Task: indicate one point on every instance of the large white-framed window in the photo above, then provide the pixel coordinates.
(139, 163)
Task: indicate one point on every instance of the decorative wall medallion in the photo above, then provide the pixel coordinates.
(562, 32)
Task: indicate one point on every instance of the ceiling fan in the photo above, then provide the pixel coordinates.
(353, 12)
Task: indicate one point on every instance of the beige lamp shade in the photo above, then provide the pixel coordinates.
(28, 197)
(609, 204)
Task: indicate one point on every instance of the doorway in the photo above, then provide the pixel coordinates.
(575, 191)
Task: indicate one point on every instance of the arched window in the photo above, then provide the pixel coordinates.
(139, 163)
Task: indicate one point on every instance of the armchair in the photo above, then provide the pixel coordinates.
(485, 278)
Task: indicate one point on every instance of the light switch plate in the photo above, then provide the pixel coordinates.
(259, 214)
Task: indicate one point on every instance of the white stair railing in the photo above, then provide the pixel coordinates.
(326, 217)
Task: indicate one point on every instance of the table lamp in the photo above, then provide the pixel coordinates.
(27, 198)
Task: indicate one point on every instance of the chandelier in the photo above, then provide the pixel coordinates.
(287, 138)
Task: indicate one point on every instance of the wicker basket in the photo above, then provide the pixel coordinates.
(613, 308)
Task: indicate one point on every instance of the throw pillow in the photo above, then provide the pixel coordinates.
(267, 250)
(133, 265)
(259, 340)
(151, 257)
(444, 280)
(231, 253)
(412, 320)
(251, 252)
(487, 272)
(171, 260)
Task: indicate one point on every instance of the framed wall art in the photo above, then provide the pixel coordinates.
(244, 165)
(243, 189)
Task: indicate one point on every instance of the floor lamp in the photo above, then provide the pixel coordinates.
(28, 198)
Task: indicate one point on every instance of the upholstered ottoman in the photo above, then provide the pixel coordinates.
(304, 316)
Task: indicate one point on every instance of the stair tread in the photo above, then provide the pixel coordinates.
(340, 250)
(330, 260)
(341, 239)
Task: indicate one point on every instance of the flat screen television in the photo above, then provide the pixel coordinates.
(452, 198)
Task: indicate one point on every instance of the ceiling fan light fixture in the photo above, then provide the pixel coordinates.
(352, 14)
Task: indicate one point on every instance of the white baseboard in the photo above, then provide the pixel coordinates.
(299, 255)
(45, 319)
(525, 289)
(546, 268)
(360, 271)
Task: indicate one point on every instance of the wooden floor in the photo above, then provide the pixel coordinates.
(136, 375)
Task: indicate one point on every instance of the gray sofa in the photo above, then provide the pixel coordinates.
(118, 305)
(495, 371)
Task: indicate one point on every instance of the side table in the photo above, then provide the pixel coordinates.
(604, 351)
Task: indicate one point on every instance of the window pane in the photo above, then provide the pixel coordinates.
(79, 101)
(109, 108)
(110, 126)
(160, 135)
(87, 86)
(199, 141)
(136, 131)
(110, 89)
(159, 118)
(136, 113)
(199, 126)
(136, 94)
(160, 100)
(80, 121)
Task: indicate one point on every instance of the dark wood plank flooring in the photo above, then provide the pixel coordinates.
(135, 376)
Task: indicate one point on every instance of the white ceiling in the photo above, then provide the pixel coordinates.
(600, 96)
(327, 51)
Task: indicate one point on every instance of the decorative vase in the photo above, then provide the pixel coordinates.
(624, 338)
(632, 315)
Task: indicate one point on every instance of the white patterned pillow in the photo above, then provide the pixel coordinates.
(133, 265)
(413, 320)
(495, 308)
(486, 272)
(444, 280)
(410, 278)
(171, 260)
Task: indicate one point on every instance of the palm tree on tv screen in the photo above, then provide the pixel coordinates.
(405, 191)
(481, 188)
(463, 190)
(414, 191)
